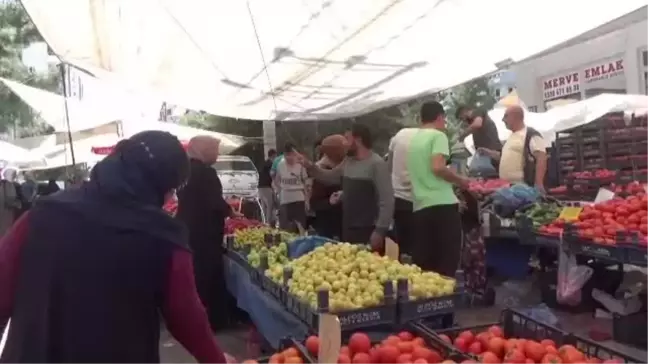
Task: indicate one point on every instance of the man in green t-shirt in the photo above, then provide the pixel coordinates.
(436, 223)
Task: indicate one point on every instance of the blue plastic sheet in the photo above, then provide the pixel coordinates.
(272, 321)
(305, 244)
(506, 201)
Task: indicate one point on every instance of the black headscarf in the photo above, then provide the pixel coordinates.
(127, 189)
(142, 169)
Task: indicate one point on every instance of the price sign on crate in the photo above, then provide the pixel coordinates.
(570, 213)
(330, 338)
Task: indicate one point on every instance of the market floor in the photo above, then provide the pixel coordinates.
(235, 342)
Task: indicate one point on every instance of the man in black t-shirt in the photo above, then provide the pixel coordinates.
(482, 128)
(266, 191)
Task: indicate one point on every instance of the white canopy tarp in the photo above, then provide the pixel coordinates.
(583, 112)
(228, 142)
(51, 108)
(324, 58)
(14, 155)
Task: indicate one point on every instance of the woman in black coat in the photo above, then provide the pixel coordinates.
(203, 209)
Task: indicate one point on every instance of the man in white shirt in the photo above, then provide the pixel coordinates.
(524, 156)
(397, 161)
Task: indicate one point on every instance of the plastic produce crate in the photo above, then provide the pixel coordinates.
(238, 256)
(582, 246)
(413, 310)
(290, 343)
(635, 252)
(631, 329)
(514, 324)
(418, 330)
(594, 349)
(384, 314)
(494, 226)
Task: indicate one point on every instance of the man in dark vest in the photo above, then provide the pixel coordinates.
(523, 158)
(481, 127)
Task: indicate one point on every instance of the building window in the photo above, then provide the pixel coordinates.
(497, 92)
(644, 57)
(644, 69)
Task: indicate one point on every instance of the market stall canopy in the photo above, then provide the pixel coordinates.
(13, 155)
(296, 59)
(51, 108)
(228, 142)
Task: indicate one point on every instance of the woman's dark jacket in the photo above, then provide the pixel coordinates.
(203, 209)
(93, 271)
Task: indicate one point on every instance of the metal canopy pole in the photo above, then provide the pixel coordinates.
(65, 79)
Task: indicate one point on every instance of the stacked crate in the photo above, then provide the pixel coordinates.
(608, 142)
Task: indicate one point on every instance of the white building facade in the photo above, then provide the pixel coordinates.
(610, 59)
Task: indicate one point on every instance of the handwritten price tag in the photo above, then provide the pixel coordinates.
(330, 337)
(603, 195)
(391, 249)
(570, 213)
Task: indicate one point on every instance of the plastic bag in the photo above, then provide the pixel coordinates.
(571, 279)
(506, 201)
(481, 166)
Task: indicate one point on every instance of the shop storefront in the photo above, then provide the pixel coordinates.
(605, 76)
(610, 59)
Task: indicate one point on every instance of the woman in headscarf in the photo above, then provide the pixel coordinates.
(85, 274)
(203, 209)
(328, 215)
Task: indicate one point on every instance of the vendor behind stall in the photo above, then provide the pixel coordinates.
(482, 128)
(523, 158)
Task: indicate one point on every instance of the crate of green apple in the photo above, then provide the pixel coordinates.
(517, 338)
(355, 284)
(414, 344)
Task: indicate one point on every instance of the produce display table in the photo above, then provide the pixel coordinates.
(271, 319)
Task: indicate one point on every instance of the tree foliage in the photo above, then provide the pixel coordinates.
(16, 33)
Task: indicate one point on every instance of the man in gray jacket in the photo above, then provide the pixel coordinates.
(367, 197)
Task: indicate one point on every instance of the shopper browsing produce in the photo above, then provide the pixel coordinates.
(436, 224)
(367, 196)
(524, 156)
(292, 179)
(88, 273)
(328, 216)
(397, 160)
(266, 191)
(203, 209)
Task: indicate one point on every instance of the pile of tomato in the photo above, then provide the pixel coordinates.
(491, 346)
(603, 221)
(233, 225)
(403, 348)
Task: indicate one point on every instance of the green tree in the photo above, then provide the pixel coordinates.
(17, 32)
